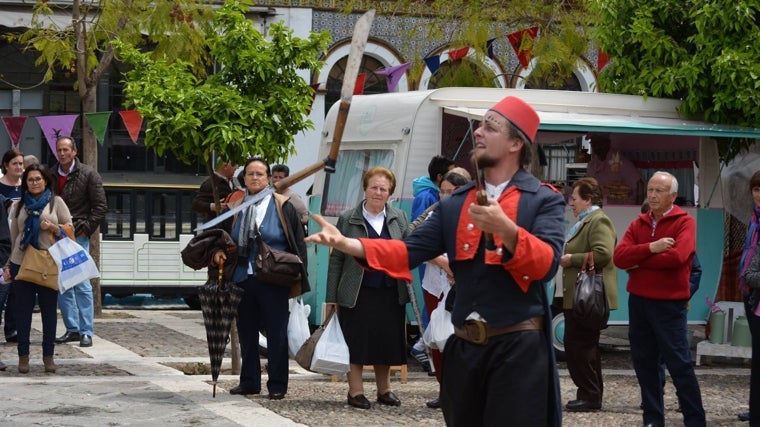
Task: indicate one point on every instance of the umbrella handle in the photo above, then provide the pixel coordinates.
(221, 272)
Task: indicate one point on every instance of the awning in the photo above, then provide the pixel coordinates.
(583, 123)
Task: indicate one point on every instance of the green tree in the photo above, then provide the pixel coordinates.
(174, 29)
(255, 104)
(706, 53)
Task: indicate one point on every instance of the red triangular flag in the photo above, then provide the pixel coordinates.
(133, 121)
(602, 60)
(14, 125)
(359, 88)
(457, 54)
(516, 40)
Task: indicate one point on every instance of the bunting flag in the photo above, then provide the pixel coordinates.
(359, 87)
(433, 63)
(522, 50)
(14, 125)
(457, 54)
(99, 123)
(489, 47)
(133, 122)
(55, 126)
(601, 60)
(393, 74)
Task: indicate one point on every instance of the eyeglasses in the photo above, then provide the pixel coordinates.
(34, 180)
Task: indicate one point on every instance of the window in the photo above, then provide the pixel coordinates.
(344, 189)
(372, 82)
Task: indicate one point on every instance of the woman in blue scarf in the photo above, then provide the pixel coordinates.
(749, 286)
(594, 232)
(39, 213)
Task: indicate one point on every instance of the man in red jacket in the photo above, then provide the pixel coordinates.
(657, 252)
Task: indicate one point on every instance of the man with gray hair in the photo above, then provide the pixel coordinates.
(657, 252)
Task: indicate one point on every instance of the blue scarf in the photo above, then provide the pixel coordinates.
(34, 207)
(581, 217)
(750, 246)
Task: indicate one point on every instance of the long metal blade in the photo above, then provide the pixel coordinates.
(358, 43)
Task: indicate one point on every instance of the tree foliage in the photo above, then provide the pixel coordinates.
(704, 52)
(254, 104)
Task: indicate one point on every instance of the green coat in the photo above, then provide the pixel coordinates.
(344, 275)
(597, 234)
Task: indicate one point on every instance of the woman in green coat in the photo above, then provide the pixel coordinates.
(594, 232)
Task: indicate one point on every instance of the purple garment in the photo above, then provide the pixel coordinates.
(750, 246)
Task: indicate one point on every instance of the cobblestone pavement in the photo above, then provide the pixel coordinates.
(152, 344)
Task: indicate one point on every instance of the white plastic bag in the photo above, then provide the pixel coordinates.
(331, 353)
(74, 263)
(440, 327)
(298, 325)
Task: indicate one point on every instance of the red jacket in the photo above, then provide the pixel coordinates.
(662, 276)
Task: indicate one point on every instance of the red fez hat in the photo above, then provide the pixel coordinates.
(520, 114)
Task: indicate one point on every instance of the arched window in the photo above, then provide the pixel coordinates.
(372, 82)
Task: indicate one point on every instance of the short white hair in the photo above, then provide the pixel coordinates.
(673, 181)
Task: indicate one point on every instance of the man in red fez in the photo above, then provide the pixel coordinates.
(498, 367)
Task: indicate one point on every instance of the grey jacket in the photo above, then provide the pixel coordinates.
(344, 276)
(84, 195)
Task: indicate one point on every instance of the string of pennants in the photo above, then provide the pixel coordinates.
(59, 125)
(521, 42)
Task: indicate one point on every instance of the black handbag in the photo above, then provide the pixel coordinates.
(276, 267)
(590, 300)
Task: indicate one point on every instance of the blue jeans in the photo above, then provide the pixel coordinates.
(659, 328)
(76, 303)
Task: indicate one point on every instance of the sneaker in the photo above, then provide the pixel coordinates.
(421, 357)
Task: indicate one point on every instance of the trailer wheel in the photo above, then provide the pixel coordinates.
(558, 335)
(193, 301)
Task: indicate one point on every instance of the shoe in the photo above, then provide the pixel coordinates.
(582, 406)
(276, 396)
(67, 337)
(744, 416)
(49, 363)
(421, 357)
(242, 390)
(652, 425)
(3, 366)
(23, 364)
(388, 398)
(359, 401)
(86, 341)
(573, 402)
(434, 404)
(13, 337)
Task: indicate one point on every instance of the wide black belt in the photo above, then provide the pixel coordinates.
(478, 332)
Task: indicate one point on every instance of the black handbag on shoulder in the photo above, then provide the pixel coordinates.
(590, 300)
(276, 267)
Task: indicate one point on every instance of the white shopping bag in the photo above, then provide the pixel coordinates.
(298, 326)
(331, 353)
(440, 327)
(74, 263)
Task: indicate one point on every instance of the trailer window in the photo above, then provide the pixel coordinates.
(343, 189)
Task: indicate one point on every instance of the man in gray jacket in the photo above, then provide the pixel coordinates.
(81, 188)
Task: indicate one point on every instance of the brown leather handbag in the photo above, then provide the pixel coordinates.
(38, 267)
(277, 267)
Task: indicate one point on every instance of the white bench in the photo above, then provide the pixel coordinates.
(706, 348)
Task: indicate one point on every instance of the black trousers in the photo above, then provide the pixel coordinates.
(505, 382)
(583, 359)
(263, 306)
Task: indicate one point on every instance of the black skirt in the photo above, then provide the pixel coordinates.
(374, 329)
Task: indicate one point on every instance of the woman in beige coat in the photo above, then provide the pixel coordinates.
(594, 232)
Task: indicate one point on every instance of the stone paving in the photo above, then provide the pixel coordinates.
(140, 359)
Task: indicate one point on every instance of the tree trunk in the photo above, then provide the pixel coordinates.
(90, 157)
